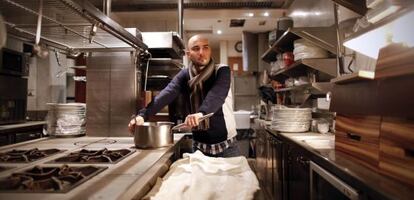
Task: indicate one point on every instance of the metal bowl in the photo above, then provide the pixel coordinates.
(153, 135)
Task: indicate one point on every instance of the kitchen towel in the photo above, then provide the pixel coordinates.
(197, 176)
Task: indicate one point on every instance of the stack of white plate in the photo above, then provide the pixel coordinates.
(303, 49)
(291, 119)
(66, 120)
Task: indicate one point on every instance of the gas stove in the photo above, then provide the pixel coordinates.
(26, 156)
(95, 156)
(48, 179)
(79, 168)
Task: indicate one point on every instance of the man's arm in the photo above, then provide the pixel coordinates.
(166, 96)
(218, 93)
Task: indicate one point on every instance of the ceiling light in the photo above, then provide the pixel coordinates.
(250, 14)
(266, 14)
(219, 32)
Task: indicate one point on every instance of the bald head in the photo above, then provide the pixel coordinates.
(198, 50)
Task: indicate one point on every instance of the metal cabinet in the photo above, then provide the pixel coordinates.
(261, 155)
(297, 173)
(269, 164)
(276, 147)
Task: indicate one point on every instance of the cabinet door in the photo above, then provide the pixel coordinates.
(277, 169)
(269, 166)
(260, 154)
(298, 174)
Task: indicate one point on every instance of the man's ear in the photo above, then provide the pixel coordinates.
(187, 53)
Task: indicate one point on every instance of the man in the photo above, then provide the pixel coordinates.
(208, 87)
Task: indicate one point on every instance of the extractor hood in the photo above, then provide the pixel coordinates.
(394, 27)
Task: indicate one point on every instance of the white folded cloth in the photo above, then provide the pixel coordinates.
(200, 177)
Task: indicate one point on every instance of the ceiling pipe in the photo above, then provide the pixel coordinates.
(180, 18)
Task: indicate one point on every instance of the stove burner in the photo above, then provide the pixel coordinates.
(30, 155)
(48, 179)
(95, 156)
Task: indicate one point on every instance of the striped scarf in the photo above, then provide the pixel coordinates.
(197, 79)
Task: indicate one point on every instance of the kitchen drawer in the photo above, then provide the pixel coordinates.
(396, 149)
(358, 136)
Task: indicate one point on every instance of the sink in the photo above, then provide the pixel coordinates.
(316, 141)
(312, 137)
(320, 143)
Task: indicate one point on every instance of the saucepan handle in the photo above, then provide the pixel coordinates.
(177, 127)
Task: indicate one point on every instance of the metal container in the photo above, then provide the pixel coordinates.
(153, 135)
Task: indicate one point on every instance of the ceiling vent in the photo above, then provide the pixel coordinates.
(237, 22)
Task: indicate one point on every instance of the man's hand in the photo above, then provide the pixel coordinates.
(138, 120)
(193, 119)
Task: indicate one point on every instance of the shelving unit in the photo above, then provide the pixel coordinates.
(324, 37)
(356, 76)
(300, 67)
(323, 69)
(314, 88)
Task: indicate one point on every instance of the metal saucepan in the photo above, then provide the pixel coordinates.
(153, 135)
(157, 134)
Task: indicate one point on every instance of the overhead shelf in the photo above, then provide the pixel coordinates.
(314, 88)
(164, 66)
(360, 75)
(66, 25)
(164, 44)
(163, 63)
(324, 37)
(358, 6)
(300, 67)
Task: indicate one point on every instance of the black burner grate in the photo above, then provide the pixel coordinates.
(48, 179)
(26, 156)
(95, 156)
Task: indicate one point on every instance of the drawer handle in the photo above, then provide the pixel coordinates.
(353, 136)
(409, 153)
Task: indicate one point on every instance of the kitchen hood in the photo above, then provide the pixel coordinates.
(394, 27)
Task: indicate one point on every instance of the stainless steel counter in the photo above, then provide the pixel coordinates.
(8, 127)
(322, 149)
(130, 178)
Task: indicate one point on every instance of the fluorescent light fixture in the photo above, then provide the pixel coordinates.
(398, 30)
(219, 32)
(266, 14)
(250, 14)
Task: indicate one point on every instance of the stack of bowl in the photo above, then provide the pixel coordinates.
(66, 120)
(291, 119)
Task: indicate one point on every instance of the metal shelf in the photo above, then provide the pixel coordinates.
(300, 67)
(66, 25)
(324, 37)
(356, 76)
(164, 44)
(358, 6)
(314, 88)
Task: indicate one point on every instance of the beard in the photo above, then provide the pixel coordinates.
(201, 62)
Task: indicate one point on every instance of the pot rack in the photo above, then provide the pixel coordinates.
(69, 25)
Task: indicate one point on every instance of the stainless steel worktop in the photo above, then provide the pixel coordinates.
(4, 128)
(130, 178)
(322, 151)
